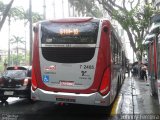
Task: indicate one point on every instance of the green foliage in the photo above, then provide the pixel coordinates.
(19, 13)
(87, 8)
(5, 12)
(1, 67)
(133, 16)
(2, 7)
(35, 16)
(137, 20)
(16, 13)
(17, 60)
(16, 39)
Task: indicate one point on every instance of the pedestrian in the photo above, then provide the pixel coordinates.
(135, 70)
(144, 72)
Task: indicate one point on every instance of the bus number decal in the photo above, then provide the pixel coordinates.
(86, 66)
(50, 68)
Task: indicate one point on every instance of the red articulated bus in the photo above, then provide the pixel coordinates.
(77, 60)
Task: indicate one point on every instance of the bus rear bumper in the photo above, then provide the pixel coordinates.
(86, 99)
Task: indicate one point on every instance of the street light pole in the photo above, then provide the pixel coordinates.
(30, 28)
(62, 8)
(54, 13)
(9, 54)
(44, 9)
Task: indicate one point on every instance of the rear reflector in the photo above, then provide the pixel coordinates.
(25, 83)
(16, 68)
(105, 84)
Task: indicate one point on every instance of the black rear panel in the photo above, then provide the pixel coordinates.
(12, 83)
(68, 55)
(69, 33)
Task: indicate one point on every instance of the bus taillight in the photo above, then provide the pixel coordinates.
(105, 84)
(34, 81)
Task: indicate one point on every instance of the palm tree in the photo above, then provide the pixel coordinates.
(18, 13)
(5, 10)
(16, 40)
(15, 13)
(86, 8)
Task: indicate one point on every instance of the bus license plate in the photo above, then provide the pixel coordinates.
(8, 92)
(65, 100)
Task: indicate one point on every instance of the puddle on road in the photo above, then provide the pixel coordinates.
(11, 100)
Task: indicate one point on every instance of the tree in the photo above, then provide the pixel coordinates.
(18, 13)
(86, 8)
(16, 40)
(18, 59)
(15, 13)
(5, 10)
(132, 15)
(134, 18)
(35, 16)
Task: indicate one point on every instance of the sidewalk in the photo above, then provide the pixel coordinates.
(136, 98)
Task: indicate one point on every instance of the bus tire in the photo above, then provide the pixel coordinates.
(3, 99)
(118, 85)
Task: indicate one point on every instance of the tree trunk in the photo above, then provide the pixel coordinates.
(9, 26)
(17, 54)
(131, 40)
(5, 13)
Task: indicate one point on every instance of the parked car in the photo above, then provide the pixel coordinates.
(15, 82)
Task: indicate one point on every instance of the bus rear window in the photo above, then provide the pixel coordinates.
(70, 33)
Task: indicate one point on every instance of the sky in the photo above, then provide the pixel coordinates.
(17, 27)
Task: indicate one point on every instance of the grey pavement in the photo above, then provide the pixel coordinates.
(136, 98)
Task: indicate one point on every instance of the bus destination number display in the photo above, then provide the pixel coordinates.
(69, 32)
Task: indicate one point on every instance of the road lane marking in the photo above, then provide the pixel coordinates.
(116, 106)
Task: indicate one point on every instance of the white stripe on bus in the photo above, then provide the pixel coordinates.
(68, 45)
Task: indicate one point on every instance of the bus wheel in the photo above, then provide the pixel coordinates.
(104, 110)
(3, 99)
(118, 85)
(32, 101)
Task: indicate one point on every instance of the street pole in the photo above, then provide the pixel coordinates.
(62, 8)
(54, 13)
(44, 9)
(30, 28)
(9, 22)
(69, 13)
(133, 56)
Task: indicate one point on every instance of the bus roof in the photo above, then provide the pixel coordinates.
(72, 20)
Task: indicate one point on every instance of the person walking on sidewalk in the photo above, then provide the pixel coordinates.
(144, 72)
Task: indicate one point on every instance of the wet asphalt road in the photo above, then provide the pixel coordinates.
(22, 109)
(133, 99)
